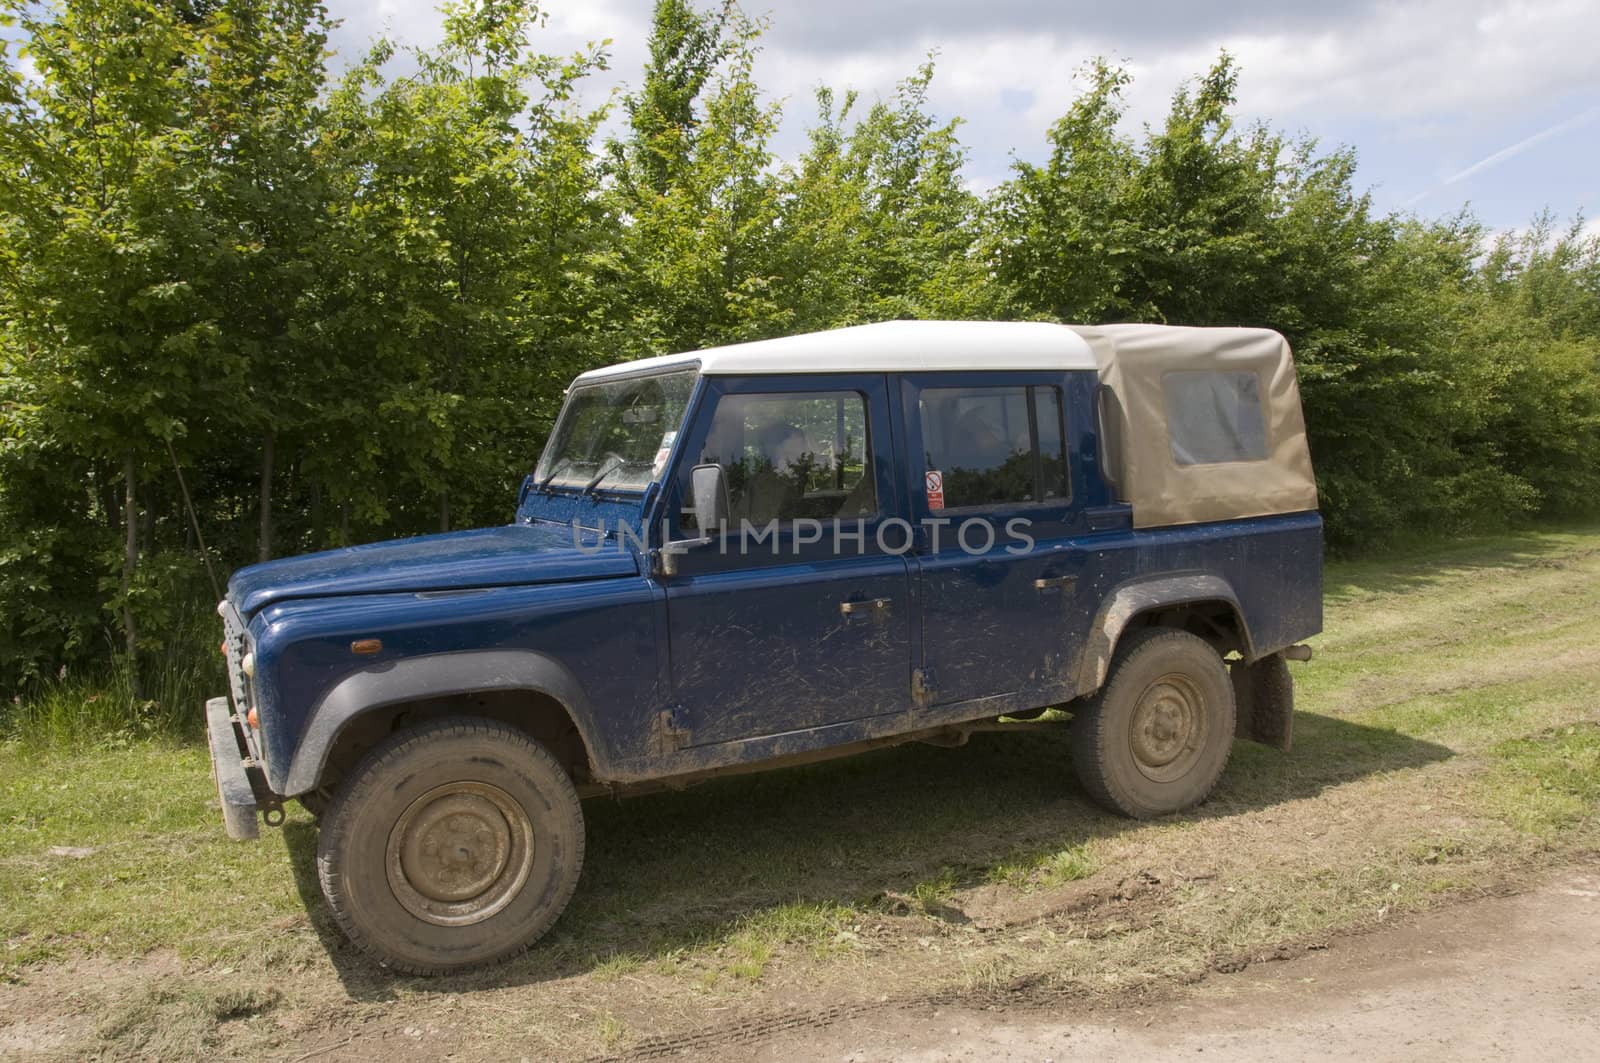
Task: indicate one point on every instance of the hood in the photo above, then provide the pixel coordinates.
(517, 554)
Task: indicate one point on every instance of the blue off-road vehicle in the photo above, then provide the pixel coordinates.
(764, 554)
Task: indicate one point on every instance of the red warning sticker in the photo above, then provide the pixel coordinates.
(935, 489)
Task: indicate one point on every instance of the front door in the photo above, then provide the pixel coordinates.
(1002, 582)
(796, 618)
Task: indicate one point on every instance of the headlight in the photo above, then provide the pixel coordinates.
(248, 665)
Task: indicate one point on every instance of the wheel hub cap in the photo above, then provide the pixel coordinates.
(1168, 729)
(460, 853)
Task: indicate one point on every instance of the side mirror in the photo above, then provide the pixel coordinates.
(708, 487)
(708, 500)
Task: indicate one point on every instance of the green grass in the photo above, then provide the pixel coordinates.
(1069, 865)
(118, 849)
(1046, 868)
(1548, 783)
(760, 935)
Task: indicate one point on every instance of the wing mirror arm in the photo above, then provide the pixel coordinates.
(708, 491)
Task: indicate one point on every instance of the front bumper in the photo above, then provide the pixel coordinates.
(230, 768)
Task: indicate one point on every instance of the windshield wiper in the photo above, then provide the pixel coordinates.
(605, 470)
(543, 486)
(621, 463)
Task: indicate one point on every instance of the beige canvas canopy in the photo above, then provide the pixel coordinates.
(1201, 424)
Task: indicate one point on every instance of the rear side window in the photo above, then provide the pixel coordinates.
(1108, 423)
(1214, 417)
(990, 446)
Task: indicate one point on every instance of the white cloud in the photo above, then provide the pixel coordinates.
(414, 22)
(1405, 61)
(1401, 61)
(1416, 60)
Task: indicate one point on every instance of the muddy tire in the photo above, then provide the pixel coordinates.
(452, 845)
(1156, 738)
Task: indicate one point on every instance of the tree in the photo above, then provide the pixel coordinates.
(455, 290)
(691, 188)
(877, 221)
(101, 317)
(686, 49)
(1200, 223)
(252, 85)
(1531, 312)
(1063, 234)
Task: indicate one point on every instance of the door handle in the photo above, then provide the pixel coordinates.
(1050, 583)
(876, 605)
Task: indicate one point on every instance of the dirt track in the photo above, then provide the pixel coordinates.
(1508, 978)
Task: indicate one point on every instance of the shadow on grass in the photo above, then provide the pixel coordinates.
(671, 871)
(1428, 563)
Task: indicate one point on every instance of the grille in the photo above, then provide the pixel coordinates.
(233, 639)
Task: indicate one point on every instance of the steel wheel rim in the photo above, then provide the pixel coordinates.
(460, 853)
(1169, 728)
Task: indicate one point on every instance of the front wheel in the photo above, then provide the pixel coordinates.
(452, 845)
(1156, 737)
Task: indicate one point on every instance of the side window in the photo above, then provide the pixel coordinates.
(1108, 425)
(793, 455)
(993, 445)
(1214, 417)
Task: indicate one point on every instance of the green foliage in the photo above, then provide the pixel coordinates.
(347, 308)
(451, 306)
(877, 223)
(686, 48)
(696, 207)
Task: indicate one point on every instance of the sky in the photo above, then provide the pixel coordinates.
(1494, 104)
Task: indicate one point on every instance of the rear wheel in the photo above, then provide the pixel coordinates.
(452, 845)
(1156, 738)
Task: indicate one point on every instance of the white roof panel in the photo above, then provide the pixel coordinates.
(888, 347)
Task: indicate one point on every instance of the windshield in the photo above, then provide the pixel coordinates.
(616, 434)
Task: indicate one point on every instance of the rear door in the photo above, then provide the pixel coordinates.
(1000, 578)
(795, 618)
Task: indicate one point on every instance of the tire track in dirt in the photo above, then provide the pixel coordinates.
(1129, 906)
(1035, 993)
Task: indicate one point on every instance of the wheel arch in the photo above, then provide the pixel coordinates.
(527, 689)
(1203, 603)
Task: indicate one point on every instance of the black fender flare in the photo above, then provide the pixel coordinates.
(1140, 595)
(432, 676)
